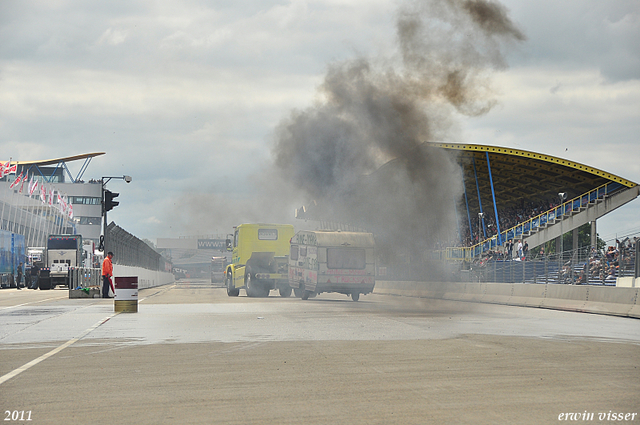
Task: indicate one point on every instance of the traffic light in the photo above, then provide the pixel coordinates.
(109, 203)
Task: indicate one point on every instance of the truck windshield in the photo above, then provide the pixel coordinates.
(346, 258)
(63, 243)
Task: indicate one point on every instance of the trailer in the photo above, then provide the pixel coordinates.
(332, 261)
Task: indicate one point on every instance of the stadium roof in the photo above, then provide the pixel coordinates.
(56, 161)
(522, 176)
(60, 163)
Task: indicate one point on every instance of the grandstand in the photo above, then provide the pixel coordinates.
(530, 197)
(518, 195)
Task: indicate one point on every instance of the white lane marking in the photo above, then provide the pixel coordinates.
(33, 302)
(21, 369)
(162, 291)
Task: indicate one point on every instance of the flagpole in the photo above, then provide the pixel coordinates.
(30, 237)
(23, 210)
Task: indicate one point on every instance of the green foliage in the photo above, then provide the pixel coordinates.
(584, 240)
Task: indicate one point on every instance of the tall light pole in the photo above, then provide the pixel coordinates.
(562, 196)
(108, 204)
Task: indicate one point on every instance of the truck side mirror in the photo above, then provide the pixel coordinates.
(229, 247)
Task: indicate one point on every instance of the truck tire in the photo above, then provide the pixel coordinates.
(285, 292)
(250, 284)
(299, 292)
(355, 296)
(231, 290)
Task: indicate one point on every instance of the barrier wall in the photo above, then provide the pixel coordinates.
(589, 299)
(146, 278)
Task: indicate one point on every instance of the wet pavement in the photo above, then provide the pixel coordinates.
(193, 355)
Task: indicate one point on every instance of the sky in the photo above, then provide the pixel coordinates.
(190, 98)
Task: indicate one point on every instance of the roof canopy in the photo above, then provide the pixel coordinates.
(522, 176)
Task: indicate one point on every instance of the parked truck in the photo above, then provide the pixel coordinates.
(332, 261)
(63, 253)
(217, 269)
(259, 260)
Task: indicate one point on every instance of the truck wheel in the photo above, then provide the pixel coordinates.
(299, 292)
(231, 290)
(355, 296)
(285, 292)
(306, 295)
(250, 285)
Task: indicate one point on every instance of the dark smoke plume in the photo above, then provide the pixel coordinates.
(359, 152)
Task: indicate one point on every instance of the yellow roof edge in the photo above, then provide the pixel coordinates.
(534, 155)
(58, 160)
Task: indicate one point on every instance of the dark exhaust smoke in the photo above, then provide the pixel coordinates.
(359, 152)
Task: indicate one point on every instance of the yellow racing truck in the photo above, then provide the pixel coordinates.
(260, 260)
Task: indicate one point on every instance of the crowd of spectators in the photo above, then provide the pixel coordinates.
(611, 263)
(509, 217)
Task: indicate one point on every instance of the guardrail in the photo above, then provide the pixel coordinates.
(536, 223)
(589, 299)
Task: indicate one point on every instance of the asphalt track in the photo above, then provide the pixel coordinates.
(193, 355)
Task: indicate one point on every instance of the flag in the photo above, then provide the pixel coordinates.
(33, 186)
(50, 197)
(24, 179)
(16, 181)
(43, 193)
(70, 211)
(10, 169)
(5, 168)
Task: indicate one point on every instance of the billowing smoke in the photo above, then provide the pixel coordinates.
(358, 153)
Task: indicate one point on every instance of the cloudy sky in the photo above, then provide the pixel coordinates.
(186, 96)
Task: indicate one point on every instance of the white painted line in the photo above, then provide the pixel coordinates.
(162, 291)
(21, 369)
(33, 302)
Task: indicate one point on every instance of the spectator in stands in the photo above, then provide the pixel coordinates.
(525, 250)
(520, 249)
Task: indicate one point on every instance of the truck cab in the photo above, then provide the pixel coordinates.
(259, 260)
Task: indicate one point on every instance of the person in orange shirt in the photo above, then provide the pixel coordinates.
(107, 272)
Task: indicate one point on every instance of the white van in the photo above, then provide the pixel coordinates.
(330, 261)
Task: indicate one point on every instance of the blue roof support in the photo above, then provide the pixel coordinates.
(455, 208)
(466, 201)
(53, 173)
(84, 167)
(65, 168)
(475, 173)
(493, 194)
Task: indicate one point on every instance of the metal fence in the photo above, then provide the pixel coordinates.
(128, 250)
(81, 277)
(581, 266)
